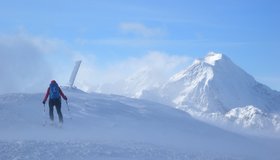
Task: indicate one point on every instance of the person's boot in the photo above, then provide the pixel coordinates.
(51, 122)
(60, 124)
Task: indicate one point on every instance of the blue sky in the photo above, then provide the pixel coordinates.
(114, 32)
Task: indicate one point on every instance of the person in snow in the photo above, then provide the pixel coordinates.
(54, 93)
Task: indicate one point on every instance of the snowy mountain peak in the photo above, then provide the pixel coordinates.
(205, 69)
(214, 84)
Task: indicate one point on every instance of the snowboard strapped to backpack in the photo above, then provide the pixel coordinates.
(54, 91)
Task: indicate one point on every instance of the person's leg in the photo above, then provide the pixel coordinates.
(51, 104)
(58, 109)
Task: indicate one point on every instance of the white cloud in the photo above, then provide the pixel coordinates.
(42, 44)
(141, 29)
(28, 63)
(23, 67)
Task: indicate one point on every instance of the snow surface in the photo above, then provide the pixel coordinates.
(115, 127)
(215, 88)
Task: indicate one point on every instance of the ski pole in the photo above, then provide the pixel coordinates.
(45, 117)
(67, 105)
(68, 109)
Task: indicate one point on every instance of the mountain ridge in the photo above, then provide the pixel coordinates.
(214, 84)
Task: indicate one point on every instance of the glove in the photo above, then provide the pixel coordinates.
(44, 102)
(65, 98)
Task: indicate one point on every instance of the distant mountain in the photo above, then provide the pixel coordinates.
(215, 86)
(252, 117)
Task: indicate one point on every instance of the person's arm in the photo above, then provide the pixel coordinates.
(46, 96)
(62, 94)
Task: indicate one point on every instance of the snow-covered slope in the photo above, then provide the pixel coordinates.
(216, 85)
(114, 127)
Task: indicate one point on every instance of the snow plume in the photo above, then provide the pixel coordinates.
(22, 64)
(131, 76)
